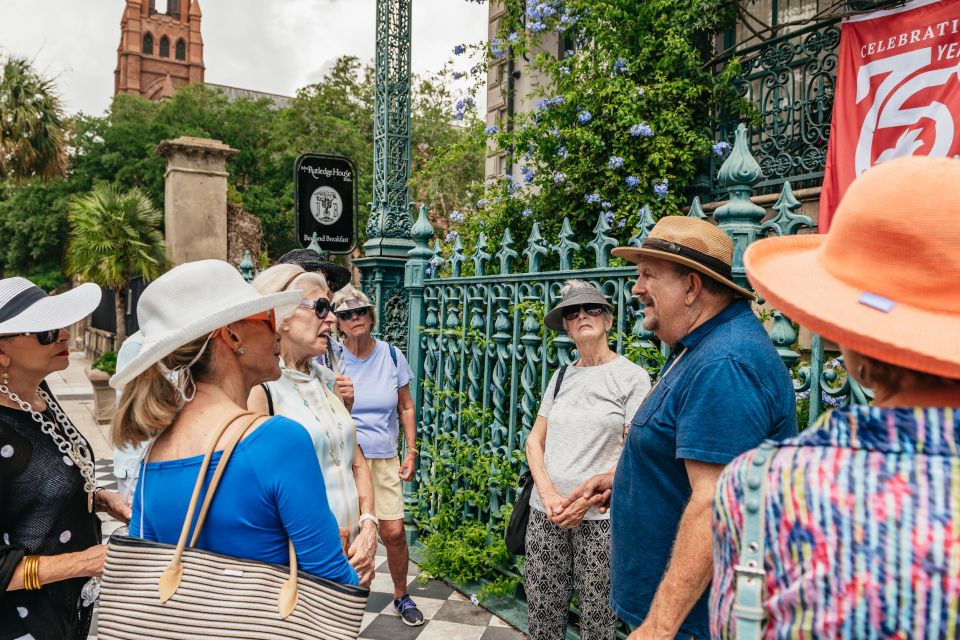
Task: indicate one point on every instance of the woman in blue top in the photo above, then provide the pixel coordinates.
(381, 404)
(208, 338)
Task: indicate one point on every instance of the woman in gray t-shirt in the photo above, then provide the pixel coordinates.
(579, 432)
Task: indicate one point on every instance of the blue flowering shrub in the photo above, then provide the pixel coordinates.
(621, 122)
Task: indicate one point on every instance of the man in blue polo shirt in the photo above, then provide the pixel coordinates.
(722, 391)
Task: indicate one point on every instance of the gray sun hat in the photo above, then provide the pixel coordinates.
(575, 297)
(351, 303)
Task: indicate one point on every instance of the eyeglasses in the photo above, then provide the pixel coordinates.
(320, 306)
(592, 310)
(43, 337)
(348, 314)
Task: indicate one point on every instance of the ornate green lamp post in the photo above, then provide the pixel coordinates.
(388, 229)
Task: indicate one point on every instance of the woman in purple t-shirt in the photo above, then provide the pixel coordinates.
(382, 402)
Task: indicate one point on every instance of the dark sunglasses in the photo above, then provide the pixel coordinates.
(320, 306)
(43, 337)
(592, 310)
(349, 314)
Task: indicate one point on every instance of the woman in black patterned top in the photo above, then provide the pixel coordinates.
(49, 534)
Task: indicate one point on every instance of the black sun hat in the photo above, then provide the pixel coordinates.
(309, 260)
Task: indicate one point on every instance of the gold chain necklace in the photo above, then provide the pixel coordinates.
(73, 445)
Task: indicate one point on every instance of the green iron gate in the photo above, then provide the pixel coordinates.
(483, 359)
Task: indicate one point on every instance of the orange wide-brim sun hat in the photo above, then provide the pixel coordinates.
(885, 282)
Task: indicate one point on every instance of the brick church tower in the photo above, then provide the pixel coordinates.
(159, 51)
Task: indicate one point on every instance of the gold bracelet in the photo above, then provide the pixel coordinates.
(27, 581)
(34, 573)
(31, 573)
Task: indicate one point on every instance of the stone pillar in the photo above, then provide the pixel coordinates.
(195, 198)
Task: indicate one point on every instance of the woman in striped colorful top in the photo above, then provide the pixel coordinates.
(851, 531)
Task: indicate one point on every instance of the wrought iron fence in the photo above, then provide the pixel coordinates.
(789, 80)
(478, 346)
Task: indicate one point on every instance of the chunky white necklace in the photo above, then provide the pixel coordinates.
(73, 445)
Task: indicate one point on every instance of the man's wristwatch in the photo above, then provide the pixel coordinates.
(372, 518)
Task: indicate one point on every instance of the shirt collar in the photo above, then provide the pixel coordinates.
(914, 430)
(692, 339)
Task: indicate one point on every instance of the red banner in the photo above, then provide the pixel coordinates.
(897, 92)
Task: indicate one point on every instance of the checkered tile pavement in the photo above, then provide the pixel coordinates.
(448, 614)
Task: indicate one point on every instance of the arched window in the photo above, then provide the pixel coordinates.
(148, 44)
(164, 47)
(181, 49)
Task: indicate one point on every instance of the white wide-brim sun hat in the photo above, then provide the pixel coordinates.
(191, 301)
(25, 307)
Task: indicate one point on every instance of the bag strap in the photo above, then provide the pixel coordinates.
(333, 357)
(560, 374)
(749, 573)
(289, 591)
(228, 449)
(266, 391)
(393, 355)
(142, 464)
(170, 580)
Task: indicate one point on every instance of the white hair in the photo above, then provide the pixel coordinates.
(284, 277)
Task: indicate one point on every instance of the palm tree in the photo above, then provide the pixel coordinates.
(114, 236)
(32, 124)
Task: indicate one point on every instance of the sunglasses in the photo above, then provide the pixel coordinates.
(571, 313)
(43, 337)
(349, 314)
(320, 306)
(266, 316)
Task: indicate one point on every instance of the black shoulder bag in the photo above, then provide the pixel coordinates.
(516, 534)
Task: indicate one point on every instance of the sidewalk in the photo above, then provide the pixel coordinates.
(450, 614)
(72, 390)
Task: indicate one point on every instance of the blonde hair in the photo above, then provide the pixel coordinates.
(284, 277)
(150, 402)
(351, 291)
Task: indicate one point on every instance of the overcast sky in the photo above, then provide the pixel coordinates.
(274, 46)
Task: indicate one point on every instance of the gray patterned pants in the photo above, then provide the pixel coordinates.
(559, 560)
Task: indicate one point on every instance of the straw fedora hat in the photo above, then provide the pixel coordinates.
(884, 281)
(191, 301)
(691, 242)
(26, 308)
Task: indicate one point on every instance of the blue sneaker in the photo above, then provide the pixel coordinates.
(408, 611)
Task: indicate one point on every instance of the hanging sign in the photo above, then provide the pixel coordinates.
(325, 192)
(897, 94)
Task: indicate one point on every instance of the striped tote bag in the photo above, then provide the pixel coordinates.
(154, 590)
